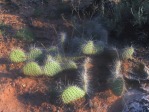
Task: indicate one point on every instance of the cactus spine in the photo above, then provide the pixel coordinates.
(85, 76)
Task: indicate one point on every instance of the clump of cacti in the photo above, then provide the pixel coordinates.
(128, 53)
(52, 68)
(32, 69)
(17, 55)
(91, 48)
(69, 65)
(34, 53)
(72, 94)
(118, 86)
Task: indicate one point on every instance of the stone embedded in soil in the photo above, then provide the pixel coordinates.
(136, 101)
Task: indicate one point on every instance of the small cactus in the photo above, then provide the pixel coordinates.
(128, 53)
(17, 55)
(69, 65)
(35, 53)
(118, 86)
(32, 69)
(72, 94)
(91, 49)
(52, 68)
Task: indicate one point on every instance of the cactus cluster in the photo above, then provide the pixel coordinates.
(56, 62)
(71, 94)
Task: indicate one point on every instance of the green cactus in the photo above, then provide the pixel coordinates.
(52, 68)
(34, 53)
(71, 94)
(91, 49)
(17, 55)
(118, 86)
(32, 69)
(69, 65)
(128, 53)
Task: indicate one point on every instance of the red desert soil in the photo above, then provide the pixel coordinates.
(19, 93)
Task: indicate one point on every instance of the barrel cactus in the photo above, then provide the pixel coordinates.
(128, 53)
(32, 69)
(34, 53)
(52, 68)
(118, 86)
(17, 55)
(72, 94)
(90, 48)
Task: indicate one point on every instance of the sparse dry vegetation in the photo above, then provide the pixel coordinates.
(74, 55)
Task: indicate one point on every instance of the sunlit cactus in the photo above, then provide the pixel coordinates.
(118, 86)
(128, 53)
(34, 53)
(17, 55)
(52, 68)
(90, 48)
(32, 69)
(72, 94)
